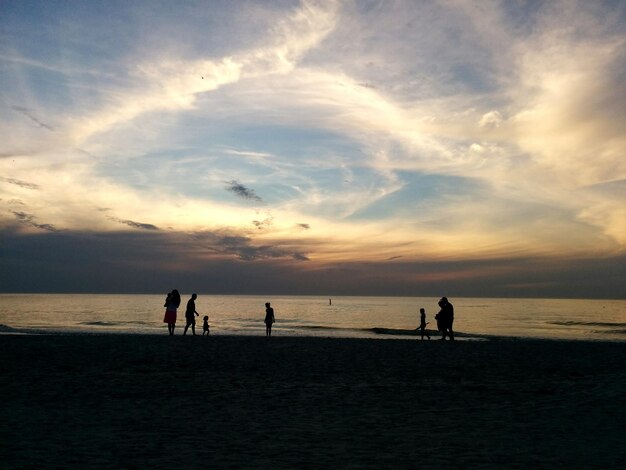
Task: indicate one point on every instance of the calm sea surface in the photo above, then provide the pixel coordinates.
(365, 317)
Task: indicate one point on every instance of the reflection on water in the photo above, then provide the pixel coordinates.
(314, 316)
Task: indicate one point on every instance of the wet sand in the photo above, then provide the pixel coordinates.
(128, 401)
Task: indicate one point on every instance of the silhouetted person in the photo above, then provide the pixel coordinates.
(172, 302)
(445, 318)
(439, 318)
(205, 326)
(423, 324)
(269, 319)
(191, 314)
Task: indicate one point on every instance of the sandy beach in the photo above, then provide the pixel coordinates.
(143, 401)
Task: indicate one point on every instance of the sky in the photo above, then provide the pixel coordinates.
(420, 148)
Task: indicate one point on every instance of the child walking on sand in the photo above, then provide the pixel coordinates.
(205, 326)
(423, 324)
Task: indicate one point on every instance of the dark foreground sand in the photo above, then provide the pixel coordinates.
(123, 401)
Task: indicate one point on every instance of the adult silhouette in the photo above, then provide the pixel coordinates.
(445, 318)
(172, 302)
(191, 314)
(423, 324)
(269, 319)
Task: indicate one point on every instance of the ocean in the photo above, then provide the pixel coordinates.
(361, 317)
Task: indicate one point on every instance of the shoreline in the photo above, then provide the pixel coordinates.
(375, 333)
(125, 400)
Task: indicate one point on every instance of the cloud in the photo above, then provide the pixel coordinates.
(301, 257)
(304, 226)
(133, 261)
(243, 247)
(29, 114)
(134, 224)
(261, 224)
(491, 119)
(170, 83)
(29, 220)
(20, 183)
(242, 191)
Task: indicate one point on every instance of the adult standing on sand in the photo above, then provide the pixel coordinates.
(445, 319)
(191, 314)
(423, 324)
(172, 302)
(269, 319)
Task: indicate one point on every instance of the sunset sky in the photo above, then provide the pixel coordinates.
(461, 148)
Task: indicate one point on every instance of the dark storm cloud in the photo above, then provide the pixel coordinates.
(20, 183)
(132, 223)
(28, 113)
(155, 261)
(29, 219)
(242, 191)
(140, 261)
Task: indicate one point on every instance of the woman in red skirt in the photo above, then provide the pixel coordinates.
(172, 302)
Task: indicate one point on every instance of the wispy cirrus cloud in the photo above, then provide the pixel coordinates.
(29, 114)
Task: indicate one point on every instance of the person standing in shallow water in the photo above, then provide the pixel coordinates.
(189, 315)
(172, 302)
(269, 319)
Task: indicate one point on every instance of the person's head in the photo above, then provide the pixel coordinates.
(206, 318)
(194, 296)
(422, 311)
(267, 305)
(444, 300)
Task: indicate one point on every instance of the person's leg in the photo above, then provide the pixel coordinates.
(193, 328)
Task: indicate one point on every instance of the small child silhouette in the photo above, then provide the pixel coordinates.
(205, 326)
